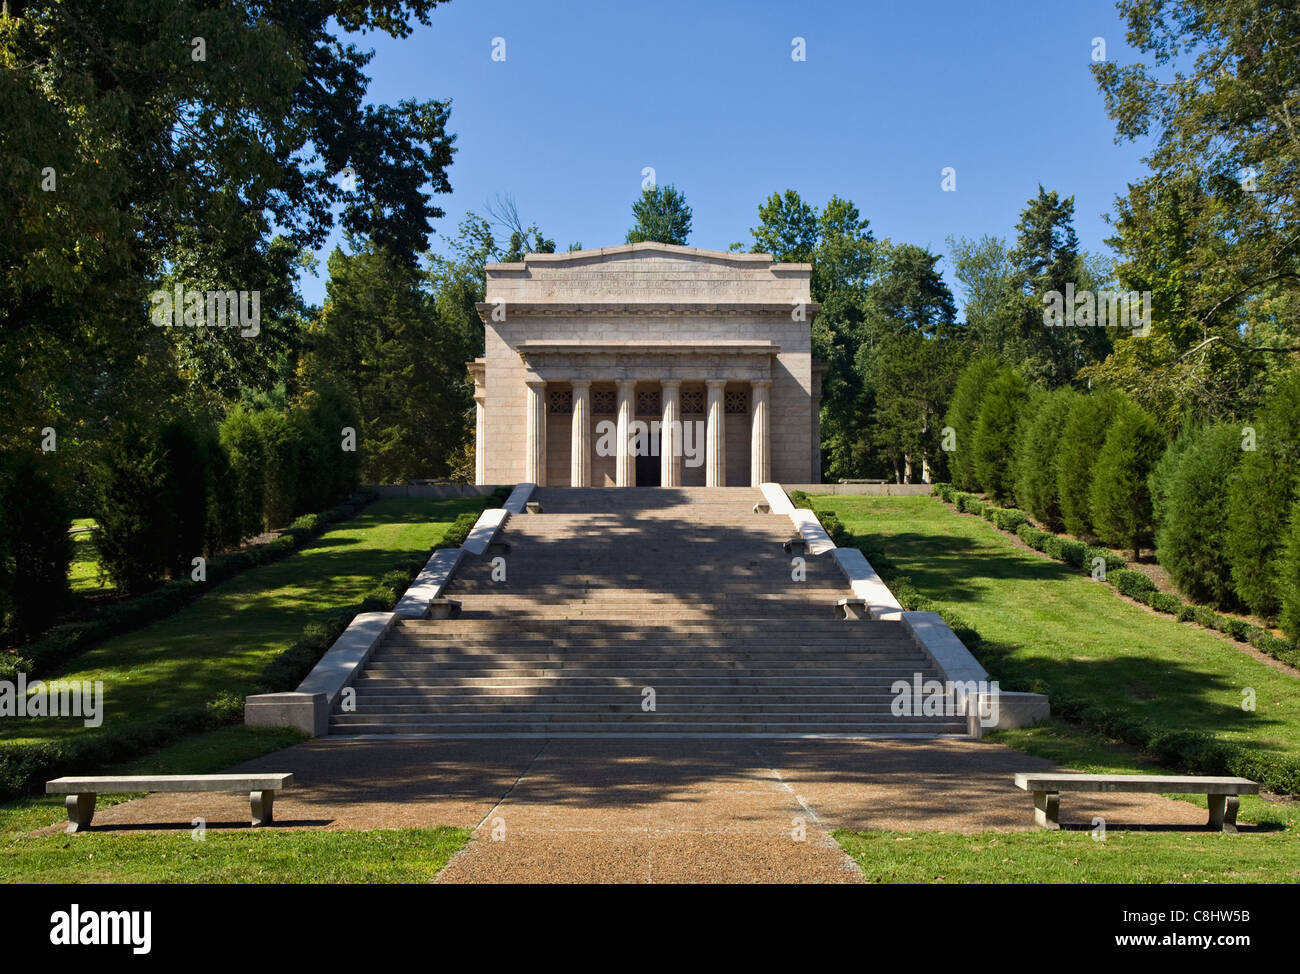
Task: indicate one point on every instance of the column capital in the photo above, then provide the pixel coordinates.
(532, 381)
(580, 383)
(625, 383)
(715, 383)
(671, 383)
(760, 383)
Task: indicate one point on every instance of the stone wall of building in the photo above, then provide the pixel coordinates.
(649, 293)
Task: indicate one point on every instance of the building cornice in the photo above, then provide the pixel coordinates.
(646, 309)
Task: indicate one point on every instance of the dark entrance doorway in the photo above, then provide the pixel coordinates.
(647, 471)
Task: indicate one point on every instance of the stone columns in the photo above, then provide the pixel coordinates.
(535, 433)
(580, 444)
(760, 451)
(624, 462)
(670, 435)
(480, 439)
(715, 450)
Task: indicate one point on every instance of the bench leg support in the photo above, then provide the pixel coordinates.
(262, 804)
(81, 809)
(1223, 812)
(1047, 809)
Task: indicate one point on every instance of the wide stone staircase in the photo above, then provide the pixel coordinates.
(640, 612)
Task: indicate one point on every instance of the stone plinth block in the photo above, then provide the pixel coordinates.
(308, 712)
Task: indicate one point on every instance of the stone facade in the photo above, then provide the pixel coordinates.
(647, 364)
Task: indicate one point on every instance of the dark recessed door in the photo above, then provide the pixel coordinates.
(647, 471)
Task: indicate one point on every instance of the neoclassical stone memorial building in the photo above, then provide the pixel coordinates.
(647, 364)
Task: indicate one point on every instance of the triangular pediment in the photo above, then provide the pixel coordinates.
(648, 273)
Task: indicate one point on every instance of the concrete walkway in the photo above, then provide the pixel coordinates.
(650, 810)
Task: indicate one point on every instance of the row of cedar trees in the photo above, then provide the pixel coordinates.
(1220, 502)
(165, 493)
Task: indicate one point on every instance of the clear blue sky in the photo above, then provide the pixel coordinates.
(590, 92)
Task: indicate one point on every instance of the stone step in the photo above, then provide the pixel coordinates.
(855, 627)
(507, 656)
(878, 692)
(860, 728)
(636, 715)
(604, 694)
(629, 706)
(663, 684)
(619, 676)
(646, 676)
(794, 644)
(610, 591)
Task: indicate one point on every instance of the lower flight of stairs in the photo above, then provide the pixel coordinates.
(643, 612)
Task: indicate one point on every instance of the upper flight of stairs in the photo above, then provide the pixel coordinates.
(619, 598)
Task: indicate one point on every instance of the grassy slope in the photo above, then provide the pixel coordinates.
(1072, 632)
(222, 641)
(213, 644)
(1075, 635)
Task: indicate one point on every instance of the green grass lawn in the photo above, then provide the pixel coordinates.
(257, 856)
(1073, 635)
(1076, 636)
(83, 572)
(1073, 857)
(222, 641)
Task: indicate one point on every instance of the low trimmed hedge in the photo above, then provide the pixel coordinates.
(1110, 560)
(1131, 583)
(1009, 519)
(833, 525)
(1032, 536)
(1065, 549)
(1207, 617)
(1166, 602)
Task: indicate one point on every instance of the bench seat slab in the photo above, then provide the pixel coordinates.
(1150, 783)
(121, 784)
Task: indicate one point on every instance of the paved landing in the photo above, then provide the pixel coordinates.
(650, 811)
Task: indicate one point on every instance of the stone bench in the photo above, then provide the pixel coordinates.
(82, 791)
(1222, 792)
(795, 546)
